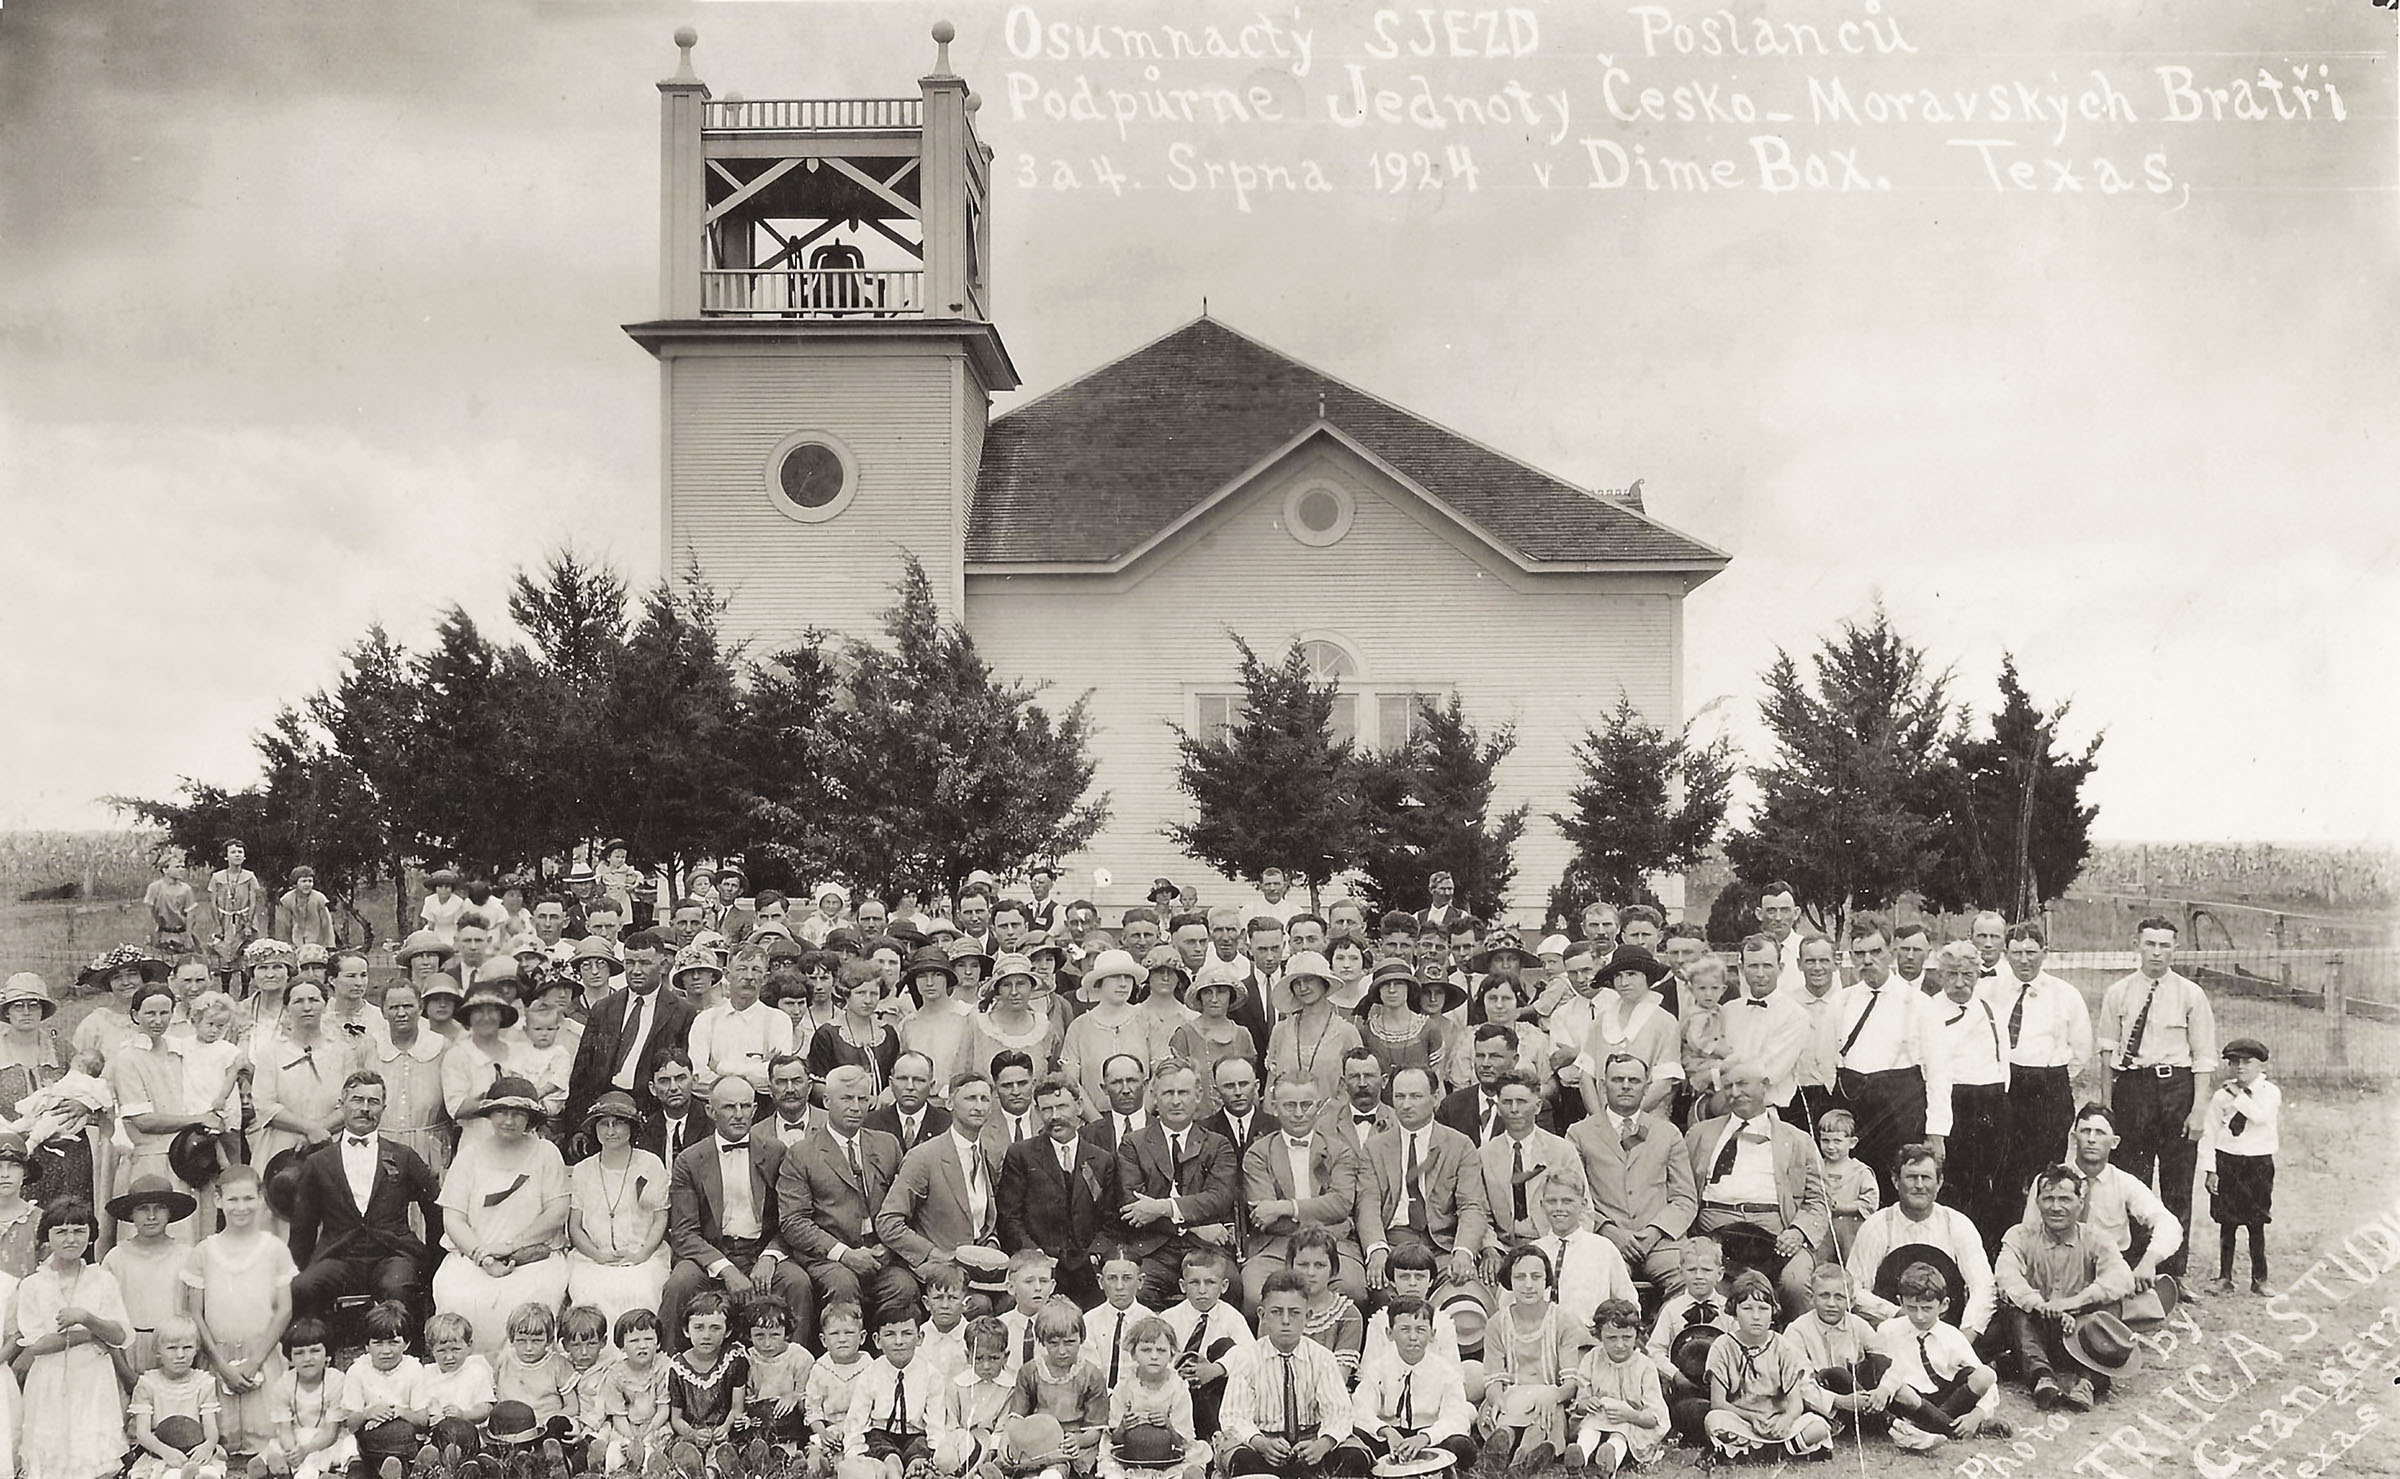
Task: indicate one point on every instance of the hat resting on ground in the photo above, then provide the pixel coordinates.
(2148, 1309)
(2104, 1345)
(513, 1422)
(152, 1190)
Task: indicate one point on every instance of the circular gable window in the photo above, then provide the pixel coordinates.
(811, 477)
(1317, 513)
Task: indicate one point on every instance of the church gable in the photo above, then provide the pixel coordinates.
(1097, 470)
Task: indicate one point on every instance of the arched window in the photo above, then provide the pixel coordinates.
(1330, 662)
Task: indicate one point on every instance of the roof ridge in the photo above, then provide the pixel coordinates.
(1103, 368)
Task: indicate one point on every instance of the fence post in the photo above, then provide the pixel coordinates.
(2337, 1014)
(2283, 967)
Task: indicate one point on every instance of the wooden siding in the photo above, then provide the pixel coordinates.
(898, 416)
(1422, 603)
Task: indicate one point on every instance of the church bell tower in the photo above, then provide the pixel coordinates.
(825, 346)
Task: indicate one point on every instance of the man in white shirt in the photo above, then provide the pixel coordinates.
(2116, 1208)
(1754, 1170)
(1912, 947)
(1887, 1074)
(2048, 1030)
(2158, 1051)
(1276, 900)
(1778, 920)
(1818, 996)
(1765, 1026)
(1893, 1237)
(1990, 934)
(1966, 1035)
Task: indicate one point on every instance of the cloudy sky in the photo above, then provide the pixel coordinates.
(311, 317)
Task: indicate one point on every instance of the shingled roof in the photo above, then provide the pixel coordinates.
(1089, 472)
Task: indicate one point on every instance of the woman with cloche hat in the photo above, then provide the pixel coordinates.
(1311, 1042)
(33, 1053)
(504, 1215)
(617, 1258)
(1634, 1020)
(482, 1058)
(1111, 1026)
(1010, 1021)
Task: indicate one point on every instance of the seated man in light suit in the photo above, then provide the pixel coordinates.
(1179, 1182)
(1756, 1172)
(947, 1197)
(1640, 1174)
(828, 1190)
(1296, 1182)
(1516, 1159)
(721, 1217)
(1422, 1183)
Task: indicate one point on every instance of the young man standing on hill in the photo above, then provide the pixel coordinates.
(2157, 1039)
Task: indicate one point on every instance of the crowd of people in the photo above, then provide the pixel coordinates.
(888, 1193)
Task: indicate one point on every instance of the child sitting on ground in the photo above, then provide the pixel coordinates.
(1032, 1279)
(172, 1415)
(454, 1394)
(942, 1341)
(380, 1406)
(1936, 1389)
(777, 1399)
(583, 1340)
(842, 1327)
(1108, 1325)
(705, 1383)
(1411, 1397)
(529, 1369)
(1757, 1382)
(1839, 1346)
(1590, 1269)
(1150, 1408)
(1702, 1301)
(979, 1397)
(1060, 1383)
(1621, 1408)
(634, 1398)
(309, 1441)
(899, 1411)
(1208, 1330)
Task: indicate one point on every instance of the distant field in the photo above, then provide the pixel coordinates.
(100, 865)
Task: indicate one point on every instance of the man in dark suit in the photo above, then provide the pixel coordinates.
(350, 1232)
(1125, 1079)
(911, 1118)
(1178, 1181)
(674, 1121)
(721, 1221)
(628, 1029)
(1060, 1193)
(1474, 1111)
(827, 1193)
(791, 1087)
(1013, 1117)
(1240, 1118)
(1444, 912)
(947, 1197)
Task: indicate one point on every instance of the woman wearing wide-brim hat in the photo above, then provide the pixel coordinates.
(617, 1258)
(1213, 994)
(480, 1059)
(33, 1053)
(20, 1247)
(1630, 1017)
(422, 946)
(121, 968)
(504, 1206)
(1111, 1025)
(1159, 1004)
(440, 996)
(1395, 1030)
(1011, 1019)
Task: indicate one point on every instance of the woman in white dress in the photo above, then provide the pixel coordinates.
(473, 1064)
(617, 1258)
(1634, 1020)
(296, 1083)
(504, 1217)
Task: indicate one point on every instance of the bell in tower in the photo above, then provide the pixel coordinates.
(825, 345)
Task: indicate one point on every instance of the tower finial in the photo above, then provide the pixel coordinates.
(943, 34)
(1320, 405)
(1204, 305)
(685, 39)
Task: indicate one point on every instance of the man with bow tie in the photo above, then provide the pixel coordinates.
(789, 1087)
(828, 1189)
(1362, 1114)
(1293, 1181)
(1639, 1172)
(1755, 1172)
(721, 1218)
(1178, 1181)
(947, 1194)
(350, 1228)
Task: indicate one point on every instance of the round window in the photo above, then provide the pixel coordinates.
(1317, 513)
(811, 477)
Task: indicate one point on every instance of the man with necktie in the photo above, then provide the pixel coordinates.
(1422, 1183)
(1474, 1111)
(1819, 998)
(912, 1118)
(675, 1121)
(827, 1192)
(1060, 1193)
(628, 1030)
(2158, 1037)
(1886, 1072)
(1515, 1161)
(721, 1222)
(1966, 1036)
(1287, 1407)
(1639, 1172)
(350, 1229)
(946, 1198)
(1178, 1181)
(1764, 1178)
(1013, 1116)
(2048, 1030)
